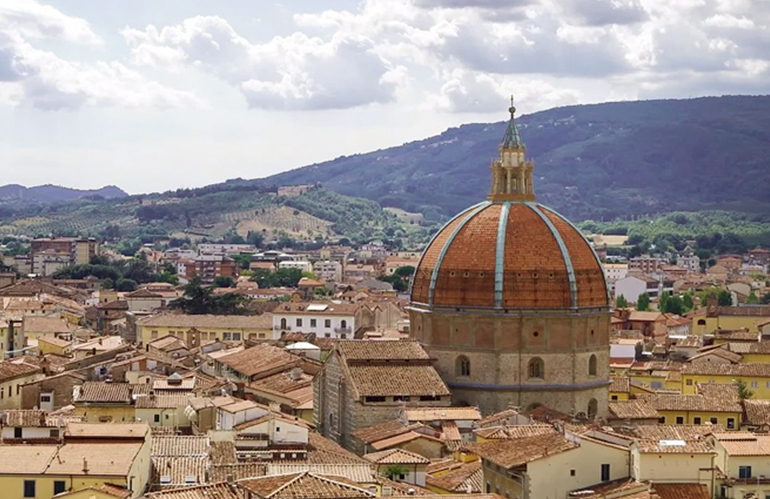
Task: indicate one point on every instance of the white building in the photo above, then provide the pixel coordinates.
(326, 320)
(690, 262)
(633, 286)
(225, 249)
(328, 270)
(613, 272)
(303, 265)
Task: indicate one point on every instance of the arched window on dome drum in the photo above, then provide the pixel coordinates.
(463, 366)
(593, 408)
(592, 365)
(536, 368)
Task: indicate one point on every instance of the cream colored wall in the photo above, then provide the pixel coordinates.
(176, 416)
(760, 465)
(12, 486)
(119, 414)
(551, 478)
(673, 467)
(146, 332)
(139, 473)
(11, 394)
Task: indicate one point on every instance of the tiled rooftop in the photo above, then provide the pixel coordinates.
(381, 350)
(178, 445)
(516, 452)
(388, 380)
(303, 485)
(396, 456)
(100, 391)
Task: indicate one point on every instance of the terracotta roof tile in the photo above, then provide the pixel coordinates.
(757, 411)
(388, 380)
(632, 409)
(514, 431)
(516, 452)
(462, 478)
(428, 414)
(177, 445)
(262, 358)
(396, 456)
(681, 491)
(11, 370)
(171, 472)
(620, 384)
(211, 491)
(100, 391)
(301, 486)
(714, 369)
(383, 430)
(238, 471)
(381, 350)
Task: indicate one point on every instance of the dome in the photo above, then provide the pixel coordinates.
(509, 255)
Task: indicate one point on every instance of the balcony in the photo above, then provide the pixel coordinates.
(343, 330)
(279, 328)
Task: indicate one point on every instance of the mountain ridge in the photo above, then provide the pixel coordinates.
(603, 161)
(50, 193)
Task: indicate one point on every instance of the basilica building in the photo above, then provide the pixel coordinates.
(511, 301)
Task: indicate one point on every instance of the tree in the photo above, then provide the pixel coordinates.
(724, 298)
(674, 305)
(395, 280)
(621, 302)
(664, 297)
(125, 285)
(752, 299)
(395, 471)
(643, 302)
(405, 272)
(766, 299)
(687, 300)
(202, 300)
(743, 390)
(221, 281)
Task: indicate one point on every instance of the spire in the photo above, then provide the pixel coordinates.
(511, 139)
(512, 171)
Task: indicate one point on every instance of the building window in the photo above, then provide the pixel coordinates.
(45, 398)
(463, 366)
(331, 421)
(343, 336)
(17, 432)
(592, 365)
(154, 335)
(656, 385)
(688, 382)
(299, 322)
(730, 423)
(744, 471)
(696, 420)
(283, 323)
(605, 472)
(236, 336)
(227, 336)
(327, 323)
(754, 384)
(343, 323)
(714, 420)
(593, 408)
(613, 397)
(59, 486)
(261, 335)
(401, 398)
(679, 420)
(29, 488)
(571, 472)
(429, 398)
(157, 418)
(313, 322)
(373, 398)
(536, 368)
(54, 433)
(662, 420)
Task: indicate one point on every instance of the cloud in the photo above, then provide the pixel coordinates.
(30, 19)
(605, 12)
(289, 72)
(41, 79)
(473, 92)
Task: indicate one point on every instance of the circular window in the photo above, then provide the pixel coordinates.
(535, 334)
(592, 332)
(452, 273)
(467, 274)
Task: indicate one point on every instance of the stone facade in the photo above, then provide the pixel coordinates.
(499, 349)
(338, 414)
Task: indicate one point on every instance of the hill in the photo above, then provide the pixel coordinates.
(54, 193)
(231, 211)
(601, 161)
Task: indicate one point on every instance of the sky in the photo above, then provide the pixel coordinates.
(157, 95)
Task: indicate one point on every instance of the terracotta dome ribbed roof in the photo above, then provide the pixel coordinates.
(532, 258)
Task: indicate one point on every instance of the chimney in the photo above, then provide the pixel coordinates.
(295, 374)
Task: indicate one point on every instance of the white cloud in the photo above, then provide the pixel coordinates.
(41, 79)
(288, 72)
(473, 92)
(30, 19)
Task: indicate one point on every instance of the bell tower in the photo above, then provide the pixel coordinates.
(512, 171)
